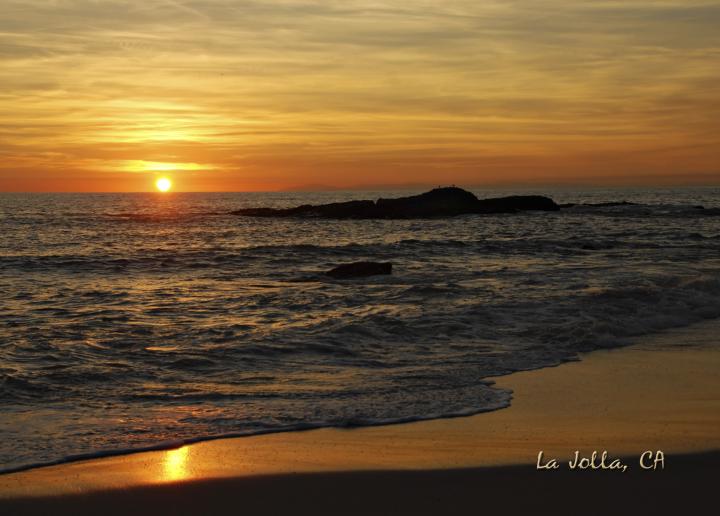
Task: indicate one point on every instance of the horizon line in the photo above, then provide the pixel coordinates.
(379, 187)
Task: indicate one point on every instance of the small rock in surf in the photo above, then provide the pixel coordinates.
(360, 270)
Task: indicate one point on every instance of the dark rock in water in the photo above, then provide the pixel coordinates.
(336, 210)
(440, 202)
(516, 203)
(360, 270)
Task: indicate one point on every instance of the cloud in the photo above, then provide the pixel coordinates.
(391, 87)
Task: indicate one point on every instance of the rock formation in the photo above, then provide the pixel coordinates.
(440, 202)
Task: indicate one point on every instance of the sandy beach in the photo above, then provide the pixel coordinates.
(661, 394)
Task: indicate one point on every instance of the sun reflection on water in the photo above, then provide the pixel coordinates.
(175, 464)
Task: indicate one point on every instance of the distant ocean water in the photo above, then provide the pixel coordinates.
(130, 321)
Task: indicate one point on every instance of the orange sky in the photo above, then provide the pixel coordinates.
(274, 94)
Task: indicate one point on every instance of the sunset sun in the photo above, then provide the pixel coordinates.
(163, 184)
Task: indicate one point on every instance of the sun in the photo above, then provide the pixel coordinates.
(163, 184)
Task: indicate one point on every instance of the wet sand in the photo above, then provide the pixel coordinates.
(661, 394)
(686, 487)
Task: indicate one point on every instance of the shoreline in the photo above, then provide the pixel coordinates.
(624, 400)
(498, 381)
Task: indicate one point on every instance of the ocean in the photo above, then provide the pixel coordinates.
(135, 321)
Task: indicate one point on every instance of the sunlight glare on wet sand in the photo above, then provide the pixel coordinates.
(175, 464)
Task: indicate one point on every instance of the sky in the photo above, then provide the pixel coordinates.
(235, 95)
